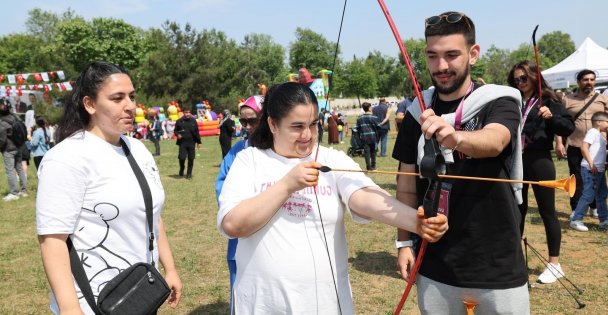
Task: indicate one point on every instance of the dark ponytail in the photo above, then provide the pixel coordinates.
(75, 117)
(278, 102)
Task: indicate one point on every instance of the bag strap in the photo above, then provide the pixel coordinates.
(81, 277)
(145, 189)
(580, 112)
(76, 265)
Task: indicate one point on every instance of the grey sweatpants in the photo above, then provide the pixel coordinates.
(438, 298)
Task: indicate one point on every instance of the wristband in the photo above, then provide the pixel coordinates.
(400, 244)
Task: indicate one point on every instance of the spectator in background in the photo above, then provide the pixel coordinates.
(332, 129)
(541, 122)
(402, 107)
(575, 105)
(367, 124)
(155, 130)
(30, 120)
(186, 130)
(341, 126)
(11, 154)
(384, 125)
(593, 166)
(321, 124)
(41, 140)
(227, 129)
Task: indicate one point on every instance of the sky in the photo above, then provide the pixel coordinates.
(505, 24)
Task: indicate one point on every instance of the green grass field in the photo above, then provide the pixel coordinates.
(199, 250)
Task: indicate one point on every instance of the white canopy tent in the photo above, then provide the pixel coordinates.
(589, 55)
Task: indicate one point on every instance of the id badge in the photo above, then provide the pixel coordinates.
(444, 199)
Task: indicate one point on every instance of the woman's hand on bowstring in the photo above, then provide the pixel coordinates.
(305, 174)
(431, 229)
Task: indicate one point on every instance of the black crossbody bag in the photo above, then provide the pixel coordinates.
(139, 289)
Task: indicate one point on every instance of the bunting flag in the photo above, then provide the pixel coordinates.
(21, 78)
(11, 90)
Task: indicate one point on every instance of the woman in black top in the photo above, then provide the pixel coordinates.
(227, 128)
(541, 122)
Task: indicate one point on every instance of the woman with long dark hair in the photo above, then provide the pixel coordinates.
(41, 140)
(88, 192)
(541, 122)
(292, 254)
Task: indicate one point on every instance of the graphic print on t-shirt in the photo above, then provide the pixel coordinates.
(297, 206)
(99, 260)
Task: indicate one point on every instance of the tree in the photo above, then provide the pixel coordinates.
(415, 49)
(497, 64)
(358, 80)
(261, 62)
(101, 39)
(556, 46)
(387, 72)
(311, 50)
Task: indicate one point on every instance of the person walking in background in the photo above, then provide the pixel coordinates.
(341, 126)
(11, 153)
(593, 166)
(367, 124)
(268, 202)
(480, 258)
(383, 114)
(332, 129)
(41, 140)
(249, 117)
(155, 130)
(581, 105)
(186, 131)
(541, 122)
(89, 196)
(227, 129)
(402, 107)
(321, 124)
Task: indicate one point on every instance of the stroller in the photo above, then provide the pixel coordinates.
(356, 146)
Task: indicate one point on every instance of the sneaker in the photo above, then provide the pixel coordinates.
(551, 273)
(24, 194)
(579, 226)
(593, 212)
(604, 225)
(10, 197)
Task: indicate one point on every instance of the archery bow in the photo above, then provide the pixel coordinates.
(540, 88)
(432, 164)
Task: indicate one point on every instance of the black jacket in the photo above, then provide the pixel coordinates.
(542, 131)
(6, 131)
(188, 129)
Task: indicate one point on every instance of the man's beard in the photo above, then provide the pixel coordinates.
(587, 88)
(458, 81)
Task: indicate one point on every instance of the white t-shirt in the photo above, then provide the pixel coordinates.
(597, 148)
(284, 267)
(87, 188)
(29, 119)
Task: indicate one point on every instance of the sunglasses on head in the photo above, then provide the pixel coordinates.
(450, 18)
(248, 121)
(521, 79)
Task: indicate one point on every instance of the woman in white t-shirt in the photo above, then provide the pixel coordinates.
(289, 219)
(88, 192)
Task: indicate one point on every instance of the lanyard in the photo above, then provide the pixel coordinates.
(528, 108)
(458, 118)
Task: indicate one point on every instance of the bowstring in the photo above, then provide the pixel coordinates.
(333, 67)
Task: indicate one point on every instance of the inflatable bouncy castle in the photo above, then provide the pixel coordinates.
(319, 85)
(208, 121)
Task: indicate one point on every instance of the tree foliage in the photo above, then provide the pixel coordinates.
(311, 50)
(556, 46)
(359, 80)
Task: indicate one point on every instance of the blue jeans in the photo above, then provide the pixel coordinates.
(383, 141)
(12, 162)
(594, 188)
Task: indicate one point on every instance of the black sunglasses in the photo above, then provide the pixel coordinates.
(521, 79)
(450, 18)
(248, 121)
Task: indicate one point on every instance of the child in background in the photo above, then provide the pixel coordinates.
(592, 172)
